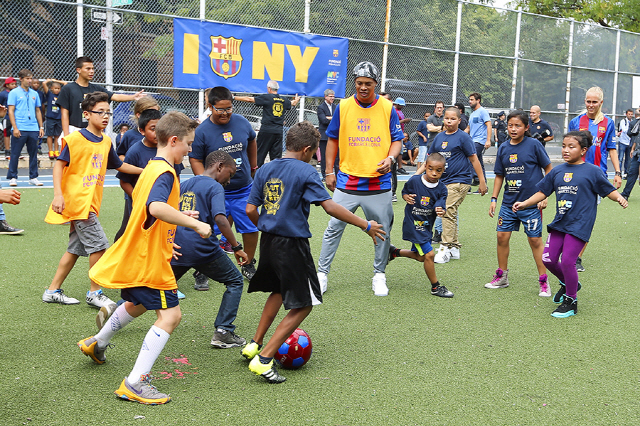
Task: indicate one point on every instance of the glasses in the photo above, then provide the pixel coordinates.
(222, 110)
(103, 113)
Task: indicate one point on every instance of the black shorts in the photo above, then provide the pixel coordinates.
(287, 267)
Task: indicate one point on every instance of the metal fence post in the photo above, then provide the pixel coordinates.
(201, 100)
(80, 28)
(615, 76)
(569, 63)
(307, 14)
(454, 93)
(385, 48)
(516, 55)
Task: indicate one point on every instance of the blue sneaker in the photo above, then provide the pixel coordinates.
(181, 295)
(569, 307)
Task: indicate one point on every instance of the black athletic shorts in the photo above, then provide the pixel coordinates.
(287, 267)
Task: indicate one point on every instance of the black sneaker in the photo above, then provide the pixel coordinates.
(579, 266)
(437, 237)
(6, 229)
(224, 339)
(392, 252)
(557, 299)
(202, 281)
(569, 307)
(249, 270)
(402, 171)
(441, 291)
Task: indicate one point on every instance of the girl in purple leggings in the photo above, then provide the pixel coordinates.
(577, 186)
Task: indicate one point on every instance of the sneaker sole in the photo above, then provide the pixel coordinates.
(541, 294)
(222, 345)
(443, 296)
(17, 232)
(104, 314)
(61, 303)
(493, 287)
(563, 315)
(81, 345)
(201, 288)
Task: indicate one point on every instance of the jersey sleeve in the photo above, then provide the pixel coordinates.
(216, 202)
(442, 197)
(161, 189)
(573, 124)
(394, 127)
(262, 100)
(113, 161)
(485, 116)
(546, 185)
(130, 158)
(466, 145)
(38, 99)
(64, 154)
(287, 104)
(409, 186)
(333, 130)
(602, 185)
(498, 167)
(11, 100)
(315, 192)
(542, 156)
(198, 147)
(608, 136)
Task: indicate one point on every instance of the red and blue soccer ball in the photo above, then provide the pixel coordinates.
(295, 351)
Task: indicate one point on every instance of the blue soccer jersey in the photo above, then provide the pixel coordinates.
(521, 166)
(602, 133)
(420, 216)
(456, 148)
(577, 187)
(232, 138)
(205, 195)
(285, 188)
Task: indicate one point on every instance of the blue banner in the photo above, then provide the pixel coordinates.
(244, 59)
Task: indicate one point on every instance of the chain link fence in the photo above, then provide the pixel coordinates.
(437, 50)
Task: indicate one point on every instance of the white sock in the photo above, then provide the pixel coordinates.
(116, 321)
(152, 345)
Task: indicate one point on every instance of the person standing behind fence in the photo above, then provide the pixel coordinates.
(479, 130)
(634, 163)
(325, 113)
(624, 146)
(500, 129)
(9, 84)
(539, 128)
(435, 122)
(72, 95)
(464, 120)
(52, 124)
(273, 108)
(26, 120)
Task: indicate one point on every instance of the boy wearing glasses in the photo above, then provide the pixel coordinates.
(231, 133)
(78, 179)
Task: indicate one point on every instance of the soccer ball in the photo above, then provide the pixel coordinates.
(295, 351)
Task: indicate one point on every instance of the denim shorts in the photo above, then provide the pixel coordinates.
(509, 221)
(422, 153)
(87, 236)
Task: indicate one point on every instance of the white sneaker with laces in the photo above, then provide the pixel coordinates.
(59, 297)
(98, 299)
(35, 182)
(13, 182)
(443, 255)
(324, 281)
(454, 252)
(379, 284)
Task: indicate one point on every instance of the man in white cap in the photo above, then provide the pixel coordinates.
(366, 128)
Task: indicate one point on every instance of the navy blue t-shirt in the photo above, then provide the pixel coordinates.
(206, 195)
(285, 188)
(577, 187)
(456, 148)
(232, 138)
(540, 127)
(521, 166)
(420, 216)
(422, 128)
(129, 138)
(4, 97)
(53, 110)
(139, 155)
(160, 191)
(113, 161)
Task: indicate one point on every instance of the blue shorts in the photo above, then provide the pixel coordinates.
(509, 221)
(151, 298)
(52, 127)
(422, 153)
(235, 203)
(421, 249)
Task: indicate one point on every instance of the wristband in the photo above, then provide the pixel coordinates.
(327, 174)
(237, 248)
(494, 200)
(254, 168)
(368, 227)
(619, 174)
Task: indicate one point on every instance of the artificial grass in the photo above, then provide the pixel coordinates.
(484, 357)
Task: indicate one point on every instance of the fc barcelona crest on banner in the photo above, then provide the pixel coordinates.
(568, 177)
(226, 60)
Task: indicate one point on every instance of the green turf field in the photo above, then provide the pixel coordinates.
(484, 357)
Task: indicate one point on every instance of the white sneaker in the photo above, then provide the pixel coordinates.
(35, 182)
(59, 297)
(454, 252)
(379, 284)
(13, 182)
(98, 299)
(443, 255)
(324, 281)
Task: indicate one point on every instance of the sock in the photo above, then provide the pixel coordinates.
(50, 291)
(116, 321)
(152, 345)
(543, 278)
(253, 341)
(396, 253)
(435, 285)
(265, 359)
(94, 293)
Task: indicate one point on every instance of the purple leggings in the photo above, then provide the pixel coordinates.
(569, 247)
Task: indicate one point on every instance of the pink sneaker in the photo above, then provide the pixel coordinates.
(226, 247)
(499, 280)
(545, 291)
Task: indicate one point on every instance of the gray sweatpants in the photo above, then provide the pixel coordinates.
(375, 207)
